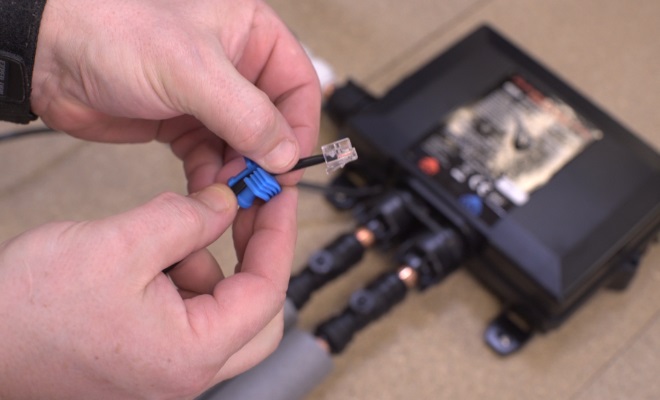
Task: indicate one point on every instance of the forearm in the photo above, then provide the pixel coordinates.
(19, 29)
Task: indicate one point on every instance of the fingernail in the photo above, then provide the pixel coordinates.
(217, 197)
(281, 156)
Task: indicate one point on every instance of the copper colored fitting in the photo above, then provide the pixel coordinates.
(323, 345)
(408, 276)
(365, 237)
(327, 91)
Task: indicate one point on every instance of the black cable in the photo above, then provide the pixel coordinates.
(25, 132)
(356, 192)
(302, 163)
(308, 162)
(239, 186)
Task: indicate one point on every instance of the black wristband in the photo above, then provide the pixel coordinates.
(19, 30)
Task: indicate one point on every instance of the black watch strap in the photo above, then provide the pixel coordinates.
(19, 29)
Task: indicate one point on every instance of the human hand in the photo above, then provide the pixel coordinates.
(85, 310)
(214, 78)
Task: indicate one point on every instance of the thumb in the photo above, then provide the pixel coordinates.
(170, 227)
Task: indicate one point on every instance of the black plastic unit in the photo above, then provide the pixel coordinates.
(543, 241)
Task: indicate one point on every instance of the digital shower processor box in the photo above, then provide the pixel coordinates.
(556, 198)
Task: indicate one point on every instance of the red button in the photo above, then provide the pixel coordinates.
(429, 165)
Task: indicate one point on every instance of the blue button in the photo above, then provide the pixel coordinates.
(472, 203)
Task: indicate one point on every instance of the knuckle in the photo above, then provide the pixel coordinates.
(178, 206)
(252, 129)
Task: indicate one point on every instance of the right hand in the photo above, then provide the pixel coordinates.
(213, 78)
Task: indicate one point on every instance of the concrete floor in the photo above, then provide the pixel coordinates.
(430, 347)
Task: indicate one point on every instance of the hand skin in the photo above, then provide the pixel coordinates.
(85, 310)
(87, 313)
(212, 78)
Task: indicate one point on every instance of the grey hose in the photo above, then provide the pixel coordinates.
(297, 366)
(290, 315)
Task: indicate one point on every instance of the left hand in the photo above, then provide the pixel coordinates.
(87, 313)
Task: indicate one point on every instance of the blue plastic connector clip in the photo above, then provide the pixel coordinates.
(253, 182)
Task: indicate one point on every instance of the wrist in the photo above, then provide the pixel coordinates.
(19, 28)
(47, 69)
